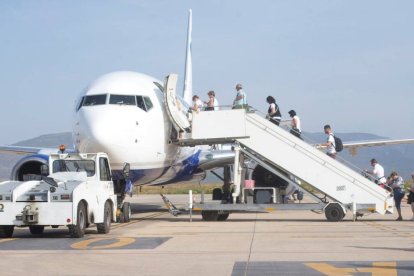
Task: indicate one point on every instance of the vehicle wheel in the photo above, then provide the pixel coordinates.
(36, 229)
(209, 215)
(78, 230)
(334, 212)
(126, 211)
(6, 231)
(103, 228)
(223, 217)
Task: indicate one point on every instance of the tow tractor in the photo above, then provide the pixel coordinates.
(75, 190)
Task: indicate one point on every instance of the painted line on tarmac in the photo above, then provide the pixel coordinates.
(88, 244)
(391, 268)
(6, 240)
(154, 215)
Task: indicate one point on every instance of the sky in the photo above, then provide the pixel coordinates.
(345, 63)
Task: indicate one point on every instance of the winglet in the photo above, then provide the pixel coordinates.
(188, 75)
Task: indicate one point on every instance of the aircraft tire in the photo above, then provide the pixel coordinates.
(334, 212)
(126, 211)
(36, 229)
(6, 231)
(78, 230)
(105, 227)
(209, 215)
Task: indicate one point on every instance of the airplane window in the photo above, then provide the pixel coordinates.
(140, 103)
(122, 99)
(148, 103)
(94, 100)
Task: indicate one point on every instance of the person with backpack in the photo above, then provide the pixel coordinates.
(330, 142)
(273, 113)
(397, 184)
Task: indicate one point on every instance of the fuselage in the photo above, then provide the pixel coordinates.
(123, 114)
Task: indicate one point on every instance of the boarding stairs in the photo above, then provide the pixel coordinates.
(277, 148)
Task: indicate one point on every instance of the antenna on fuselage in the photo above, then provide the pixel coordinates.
(188, 75)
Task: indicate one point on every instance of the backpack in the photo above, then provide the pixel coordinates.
(338, 144)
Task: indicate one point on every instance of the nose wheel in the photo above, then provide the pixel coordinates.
(124, 213)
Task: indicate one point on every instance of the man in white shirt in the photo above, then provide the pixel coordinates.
(377, 171)
(330, 142)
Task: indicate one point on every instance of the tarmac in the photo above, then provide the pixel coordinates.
(277, 243)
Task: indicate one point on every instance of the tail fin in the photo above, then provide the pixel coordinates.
(188, 76)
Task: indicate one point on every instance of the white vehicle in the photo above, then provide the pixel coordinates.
(77, 191)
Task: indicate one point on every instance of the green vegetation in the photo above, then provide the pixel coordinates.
(177, 188)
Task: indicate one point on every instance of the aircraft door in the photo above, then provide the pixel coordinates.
(175, 106)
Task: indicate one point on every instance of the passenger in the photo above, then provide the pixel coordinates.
(378, 172)
(330, 142)
(197, 104)
(241, 99)
(212, 103)
(273, 113)
(397, 185)
(295, 124)
(411, 195)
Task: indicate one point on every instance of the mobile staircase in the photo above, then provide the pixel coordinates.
(256, 138)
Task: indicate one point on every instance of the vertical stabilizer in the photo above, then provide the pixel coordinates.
(188, 76)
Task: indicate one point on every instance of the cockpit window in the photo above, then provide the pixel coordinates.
(148, 103)
(144, 103)
(94, 100)
(122, 99)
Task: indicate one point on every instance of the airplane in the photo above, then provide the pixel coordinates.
(123, 113)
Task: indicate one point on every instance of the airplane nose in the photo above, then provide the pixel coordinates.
(103, 132)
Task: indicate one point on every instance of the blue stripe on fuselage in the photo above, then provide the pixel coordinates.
(187, 167)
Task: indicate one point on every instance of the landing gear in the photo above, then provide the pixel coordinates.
(124, 213)
(126, 210)
(334, 212)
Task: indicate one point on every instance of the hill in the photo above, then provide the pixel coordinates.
(395, 157)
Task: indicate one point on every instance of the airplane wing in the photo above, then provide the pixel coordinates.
(18, 150)
(354, 146)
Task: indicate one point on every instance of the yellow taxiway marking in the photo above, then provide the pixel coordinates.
(6, 240)
(381, 268)
(87, 244)
(328, 269)
(377, 269)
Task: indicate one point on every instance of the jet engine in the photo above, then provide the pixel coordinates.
(29, 167)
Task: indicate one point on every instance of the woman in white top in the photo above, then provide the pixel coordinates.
(295, 124)
(197, 104)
